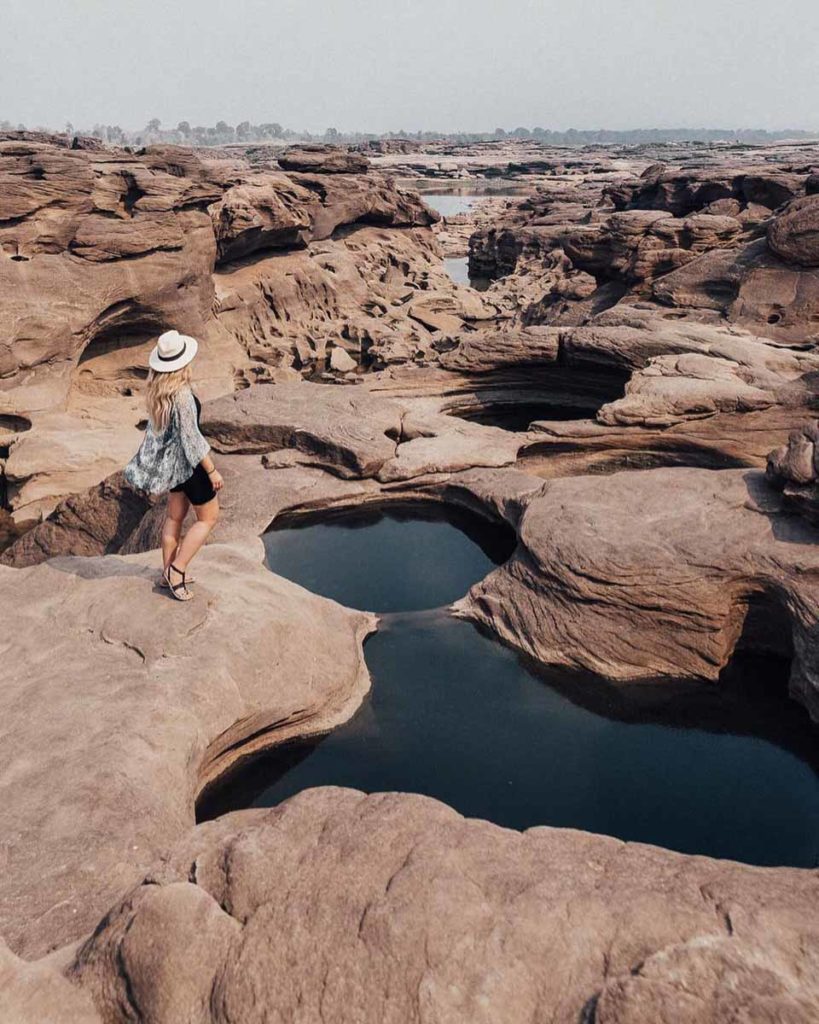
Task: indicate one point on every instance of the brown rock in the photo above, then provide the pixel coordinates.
(324, 160)
(392, 907)
(270, 211)
(346, 430)
(752, 287)
(33, 993)
(114, 722)
(794, 234)
(94, 522)
(586, 588)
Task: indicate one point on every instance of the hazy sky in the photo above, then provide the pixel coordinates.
(380, 65)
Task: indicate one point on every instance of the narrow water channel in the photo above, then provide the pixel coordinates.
(727, 769)
(452, 206)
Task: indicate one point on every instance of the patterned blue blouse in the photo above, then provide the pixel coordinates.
(167, 459)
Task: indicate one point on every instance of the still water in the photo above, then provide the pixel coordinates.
(458, 269)
(726, 770)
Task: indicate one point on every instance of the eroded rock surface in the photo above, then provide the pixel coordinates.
(392, 907)
(102, 250)
(121, 703)
(588, 589)
(653, 315)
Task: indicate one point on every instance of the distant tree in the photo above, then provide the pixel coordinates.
(184, 129)
(243, 131)
(521, 133)
(500, 133)
(153, 125)
(271, 129)
(69, 128)
(331, 134)
(224, 132)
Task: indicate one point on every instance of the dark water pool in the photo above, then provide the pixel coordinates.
(726, 770)
(391, 559)
(518, 416)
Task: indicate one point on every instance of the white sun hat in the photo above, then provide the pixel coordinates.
(172, 351)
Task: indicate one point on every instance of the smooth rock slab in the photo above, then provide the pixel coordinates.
(118, 703)
(637, 576)
(393, 909)
(347, 430)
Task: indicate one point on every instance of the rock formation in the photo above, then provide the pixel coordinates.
(104, 249)
(141, 712)
(652, 318)
(436, 917)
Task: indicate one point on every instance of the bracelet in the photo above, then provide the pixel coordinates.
(210, 472)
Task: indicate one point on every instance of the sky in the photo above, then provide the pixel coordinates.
(387, 65)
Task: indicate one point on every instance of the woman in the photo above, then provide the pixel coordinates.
(174, 457)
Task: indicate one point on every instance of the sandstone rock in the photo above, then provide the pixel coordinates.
(94, 522)
(270, 211)
(585, 589)
(347, 430)
(794, 234)
(342, 361)
(708, 981)
(130, 713)
(793, 468)
(324, 160)
(117, 247)
(682, 192)
(796, 462)
(752, 287)
(392, 907)
(31, 993)
(486, 350)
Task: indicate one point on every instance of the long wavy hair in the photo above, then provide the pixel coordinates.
(162, 390)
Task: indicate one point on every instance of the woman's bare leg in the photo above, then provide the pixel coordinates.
(206, 517)
(178, 506)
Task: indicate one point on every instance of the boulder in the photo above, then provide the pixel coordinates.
(270, 211)
(94, 522)
(794, 234)
(341, 361)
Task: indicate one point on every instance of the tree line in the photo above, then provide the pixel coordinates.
(224, 134)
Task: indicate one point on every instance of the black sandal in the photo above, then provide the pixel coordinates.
(178, 590)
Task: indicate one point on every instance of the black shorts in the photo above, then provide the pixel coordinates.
(197, 488)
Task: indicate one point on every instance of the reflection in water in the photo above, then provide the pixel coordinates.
(352, 556)
(451, 206)
(726, 770)
(458, 269)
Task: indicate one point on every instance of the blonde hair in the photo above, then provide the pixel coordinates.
(162, 390)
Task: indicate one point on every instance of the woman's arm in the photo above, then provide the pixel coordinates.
(196, 448)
